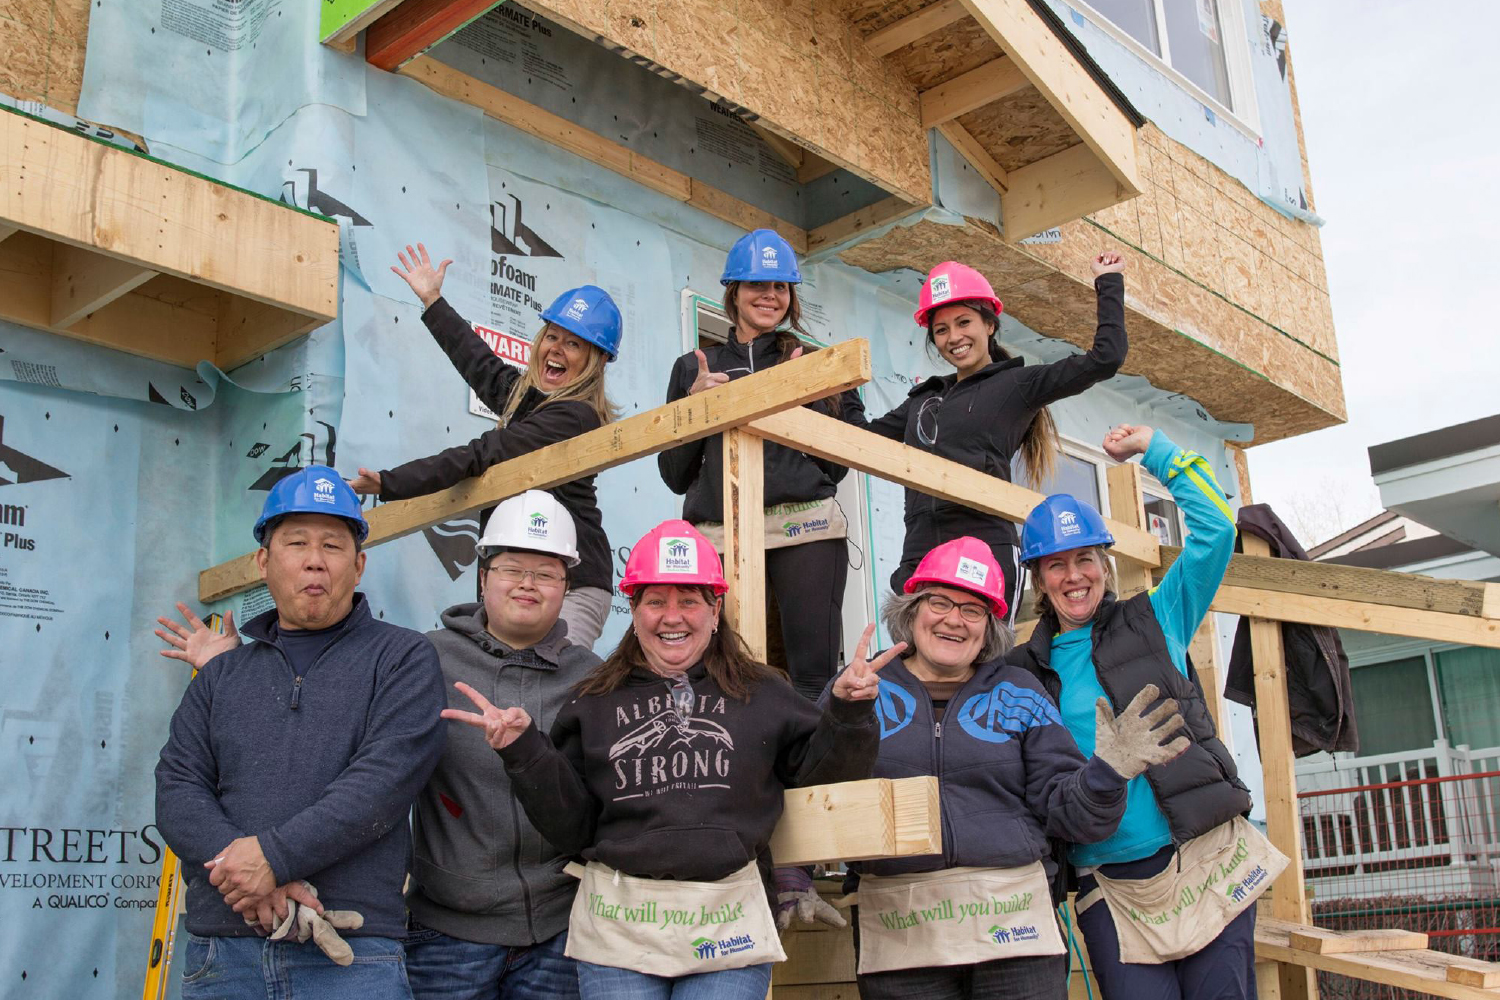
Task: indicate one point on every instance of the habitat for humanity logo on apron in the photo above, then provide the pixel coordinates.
(660, 747)
(789, 524)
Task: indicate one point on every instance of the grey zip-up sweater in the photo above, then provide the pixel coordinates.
(482, 872)
(322, 768)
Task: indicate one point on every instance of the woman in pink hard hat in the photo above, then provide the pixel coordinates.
(992, 406)
(666, 773)
(977, 920)
(807, 555)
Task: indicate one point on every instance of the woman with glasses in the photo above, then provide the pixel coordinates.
(992, 405)
(977, 920)
(666, 773)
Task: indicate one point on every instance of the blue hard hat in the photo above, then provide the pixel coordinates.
(1060, 523)
(588, 312)
(316, 489)
(761, 255)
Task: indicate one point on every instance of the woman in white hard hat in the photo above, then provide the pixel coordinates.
(992, 406)
(977, 919)
(807, 554)
(667, 772)
(559, 395)
(1166, 903)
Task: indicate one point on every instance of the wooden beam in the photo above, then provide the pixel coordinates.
(1127, 505)
(814, 957)
(1000, 77)
(416, 26)
(812, 376)
(1360, 616)
(791, 153)
(1061, 188)
(745, 537)
(1472, 972)
(864, 221)
(1321, 941)
(1067, 86)
(1423, 972)
(510, 109)
(1278, 762)
(929, 20)
(249, 329)
(977, 156)
(825, 437)
(84, 282)
(813, 167)
(858, 820)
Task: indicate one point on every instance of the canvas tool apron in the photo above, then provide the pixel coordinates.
(958, 916)
(1182, 908)
(669, 928)
(791, 524)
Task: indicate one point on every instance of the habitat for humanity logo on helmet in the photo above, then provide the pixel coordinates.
(768, 256)
(576, 309)
(942, 287)
(972, 570)
(323, 490)
(537, 526)
(677, 555)
(1068, 522)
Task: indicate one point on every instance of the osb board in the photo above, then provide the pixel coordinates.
(796, 63)
(41, 50)
(943, 55)
(1183, 337)
(872, 16)
(1020, 129)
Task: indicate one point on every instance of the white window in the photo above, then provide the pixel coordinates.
(1079, 471)
(1201, 44)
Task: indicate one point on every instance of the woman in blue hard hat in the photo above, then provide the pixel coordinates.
(1166, 902)
(807, 557)
(992, 406)
(559, 395)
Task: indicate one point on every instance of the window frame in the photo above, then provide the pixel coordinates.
(1153, 487)
(1237, 59)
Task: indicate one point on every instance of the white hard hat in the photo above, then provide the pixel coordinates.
(532, 522)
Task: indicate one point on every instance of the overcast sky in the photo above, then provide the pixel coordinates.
(1403, 135)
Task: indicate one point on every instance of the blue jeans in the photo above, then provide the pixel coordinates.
(604, 982)
(446, 967)
(253, 968)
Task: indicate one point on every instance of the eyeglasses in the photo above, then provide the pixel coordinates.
(942, 605)
(515, 574)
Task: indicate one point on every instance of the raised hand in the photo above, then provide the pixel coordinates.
(1107, 263)
(1126, 440)
(196, 644)
(706, 379)
(417, 271)
(1132, 742)
(366, 482)
(859, 682)
(502, 726)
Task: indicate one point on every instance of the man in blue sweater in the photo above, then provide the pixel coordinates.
(293, 760)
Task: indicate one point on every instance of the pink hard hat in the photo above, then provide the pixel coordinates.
(673, 552)
(965, 563)
(952, 282)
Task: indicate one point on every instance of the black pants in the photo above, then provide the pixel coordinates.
(1008, 556)
(1037, 977)
(808, 581)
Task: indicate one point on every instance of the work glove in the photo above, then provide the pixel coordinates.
(795, 895)
(1131, 742)
(303, 922)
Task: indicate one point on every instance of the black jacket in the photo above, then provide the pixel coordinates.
(981, 421)
(533, 426)
(1319, 691)
(1200, 789)
(697, 468)
(620, 781)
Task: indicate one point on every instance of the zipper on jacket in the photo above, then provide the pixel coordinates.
(515, 860)
(296, 691)
(937, 730)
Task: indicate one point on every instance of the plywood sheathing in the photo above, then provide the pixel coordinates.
(41, 50)
(795, 63)
(943, 55)
(1183, 338)
(1020, 129)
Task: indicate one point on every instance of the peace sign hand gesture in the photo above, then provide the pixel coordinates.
(858, 681)
(424, 279)
(502, 726)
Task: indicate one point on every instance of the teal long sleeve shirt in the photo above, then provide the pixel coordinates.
(1180, 602)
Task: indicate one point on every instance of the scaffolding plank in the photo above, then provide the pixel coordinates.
(1330, 942)
(1362, 616)
(791, 384)
(1424, 972)
(857, 820)
(1472, 972)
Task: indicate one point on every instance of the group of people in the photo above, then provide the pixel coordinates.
(600, 828)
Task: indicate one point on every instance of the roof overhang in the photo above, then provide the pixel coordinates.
(1448, 479)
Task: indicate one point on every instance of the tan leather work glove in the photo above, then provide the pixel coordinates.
(796, 896)
(1131, 742)
(303, 922)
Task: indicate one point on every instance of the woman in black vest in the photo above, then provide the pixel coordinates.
(1198, 936)
(992, 407)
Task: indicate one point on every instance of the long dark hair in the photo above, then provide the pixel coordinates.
(1040, 446)
(786, 340)
(727, 658)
